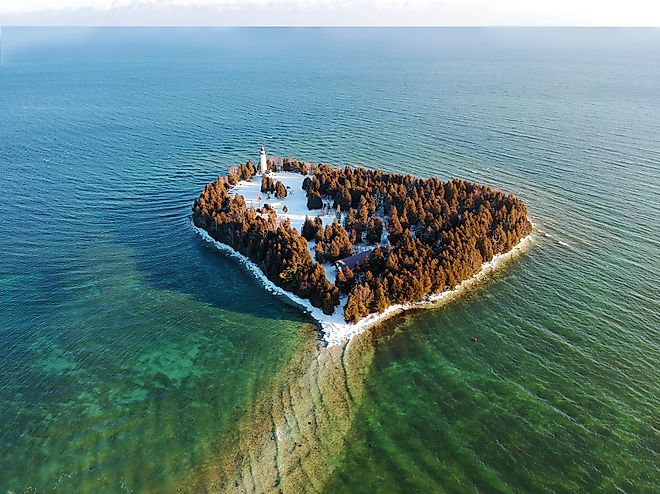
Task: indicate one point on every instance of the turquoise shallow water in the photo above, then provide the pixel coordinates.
(129, 350)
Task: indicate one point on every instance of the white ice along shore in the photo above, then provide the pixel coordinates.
(335, 330)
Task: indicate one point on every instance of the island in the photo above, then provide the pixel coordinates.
(353, 245)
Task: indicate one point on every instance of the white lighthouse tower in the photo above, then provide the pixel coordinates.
(263, 165)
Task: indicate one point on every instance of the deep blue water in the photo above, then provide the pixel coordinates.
(128, 349)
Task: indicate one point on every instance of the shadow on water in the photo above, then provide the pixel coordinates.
(297, 435)
(126, 371)
(171, 256)
(150, 340)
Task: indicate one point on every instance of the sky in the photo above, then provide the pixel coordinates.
(331, 12)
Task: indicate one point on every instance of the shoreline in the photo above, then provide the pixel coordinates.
(335, 332)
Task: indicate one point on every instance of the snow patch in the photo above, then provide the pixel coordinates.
(295, 201)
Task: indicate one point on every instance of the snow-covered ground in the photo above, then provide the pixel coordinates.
(333, 327)
(295, 201)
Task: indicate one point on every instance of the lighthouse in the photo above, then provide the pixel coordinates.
(263, 165)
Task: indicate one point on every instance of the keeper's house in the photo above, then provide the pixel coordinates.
(352, 261)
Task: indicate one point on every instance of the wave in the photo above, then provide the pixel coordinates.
(559, 241)
(335, 331)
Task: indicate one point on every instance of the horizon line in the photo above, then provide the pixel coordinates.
(458, 26)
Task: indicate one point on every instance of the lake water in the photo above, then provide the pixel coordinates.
(134, 358)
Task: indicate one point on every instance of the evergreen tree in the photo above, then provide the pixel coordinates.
(352, 309)
(267, 184)
(309, 229)
(394, 227)
(375, 230)
(280, 190)
(319, 252)
(345, 279)
(314, 201)
(381, 301)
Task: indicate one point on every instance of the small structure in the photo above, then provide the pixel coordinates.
(263, 162)
(275, 163)
(352, 261)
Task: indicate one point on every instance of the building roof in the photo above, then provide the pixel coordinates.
(352, 261)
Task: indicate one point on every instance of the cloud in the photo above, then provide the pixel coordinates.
(26, 6)
(331, 12)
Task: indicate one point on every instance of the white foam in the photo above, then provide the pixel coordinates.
(561, 242)
(333, 327)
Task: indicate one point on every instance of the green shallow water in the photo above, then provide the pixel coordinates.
(134, 358)
(121, 394)
(504, 414)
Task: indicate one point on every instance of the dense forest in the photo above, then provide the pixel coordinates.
(426, 235)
